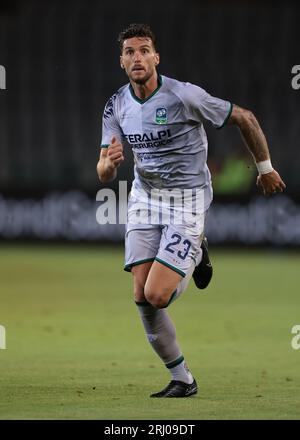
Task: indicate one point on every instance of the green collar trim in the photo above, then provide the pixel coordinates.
(142, 101)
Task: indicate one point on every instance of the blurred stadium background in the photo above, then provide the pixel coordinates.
(62, 64)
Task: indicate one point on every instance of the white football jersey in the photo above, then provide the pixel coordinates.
(166, 134)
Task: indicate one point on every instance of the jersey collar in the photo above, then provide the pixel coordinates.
(142, 101)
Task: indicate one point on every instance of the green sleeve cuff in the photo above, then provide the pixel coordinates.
(227, 117)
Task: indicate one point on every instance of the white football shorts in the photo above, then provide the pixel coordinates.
(163, 235)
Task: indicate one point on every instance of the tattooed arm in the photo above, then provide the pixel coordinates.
(256, 143)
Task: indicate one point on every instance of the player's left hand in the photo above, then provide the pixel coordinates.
(270, 183)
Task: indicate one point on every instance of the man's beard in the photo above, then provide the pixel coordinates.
(142, 81)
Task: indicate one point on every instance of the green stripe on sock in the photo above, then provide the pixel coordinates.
(176, 362)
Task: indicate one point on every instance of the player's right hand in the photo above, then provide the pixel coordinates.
(115, 153)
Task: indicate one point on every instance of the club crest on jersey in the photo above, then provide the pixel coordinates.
(161, 115)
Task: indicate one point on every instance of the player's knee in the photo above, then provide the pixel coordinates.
(158, 299)
(138, 291)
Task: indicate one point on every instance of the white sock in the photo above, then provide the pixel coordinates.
(182, 373)
(199, 257)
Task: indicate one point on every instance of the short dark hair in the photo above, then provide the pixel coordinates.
(136, 30)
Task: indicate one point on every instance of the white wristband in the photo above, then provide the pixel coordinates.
(264, 167)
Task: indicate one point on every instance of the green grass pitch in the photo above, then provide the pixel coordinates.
(76, 347)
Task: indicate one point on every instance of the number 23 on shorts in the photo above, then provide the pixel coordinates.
(186, 243)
